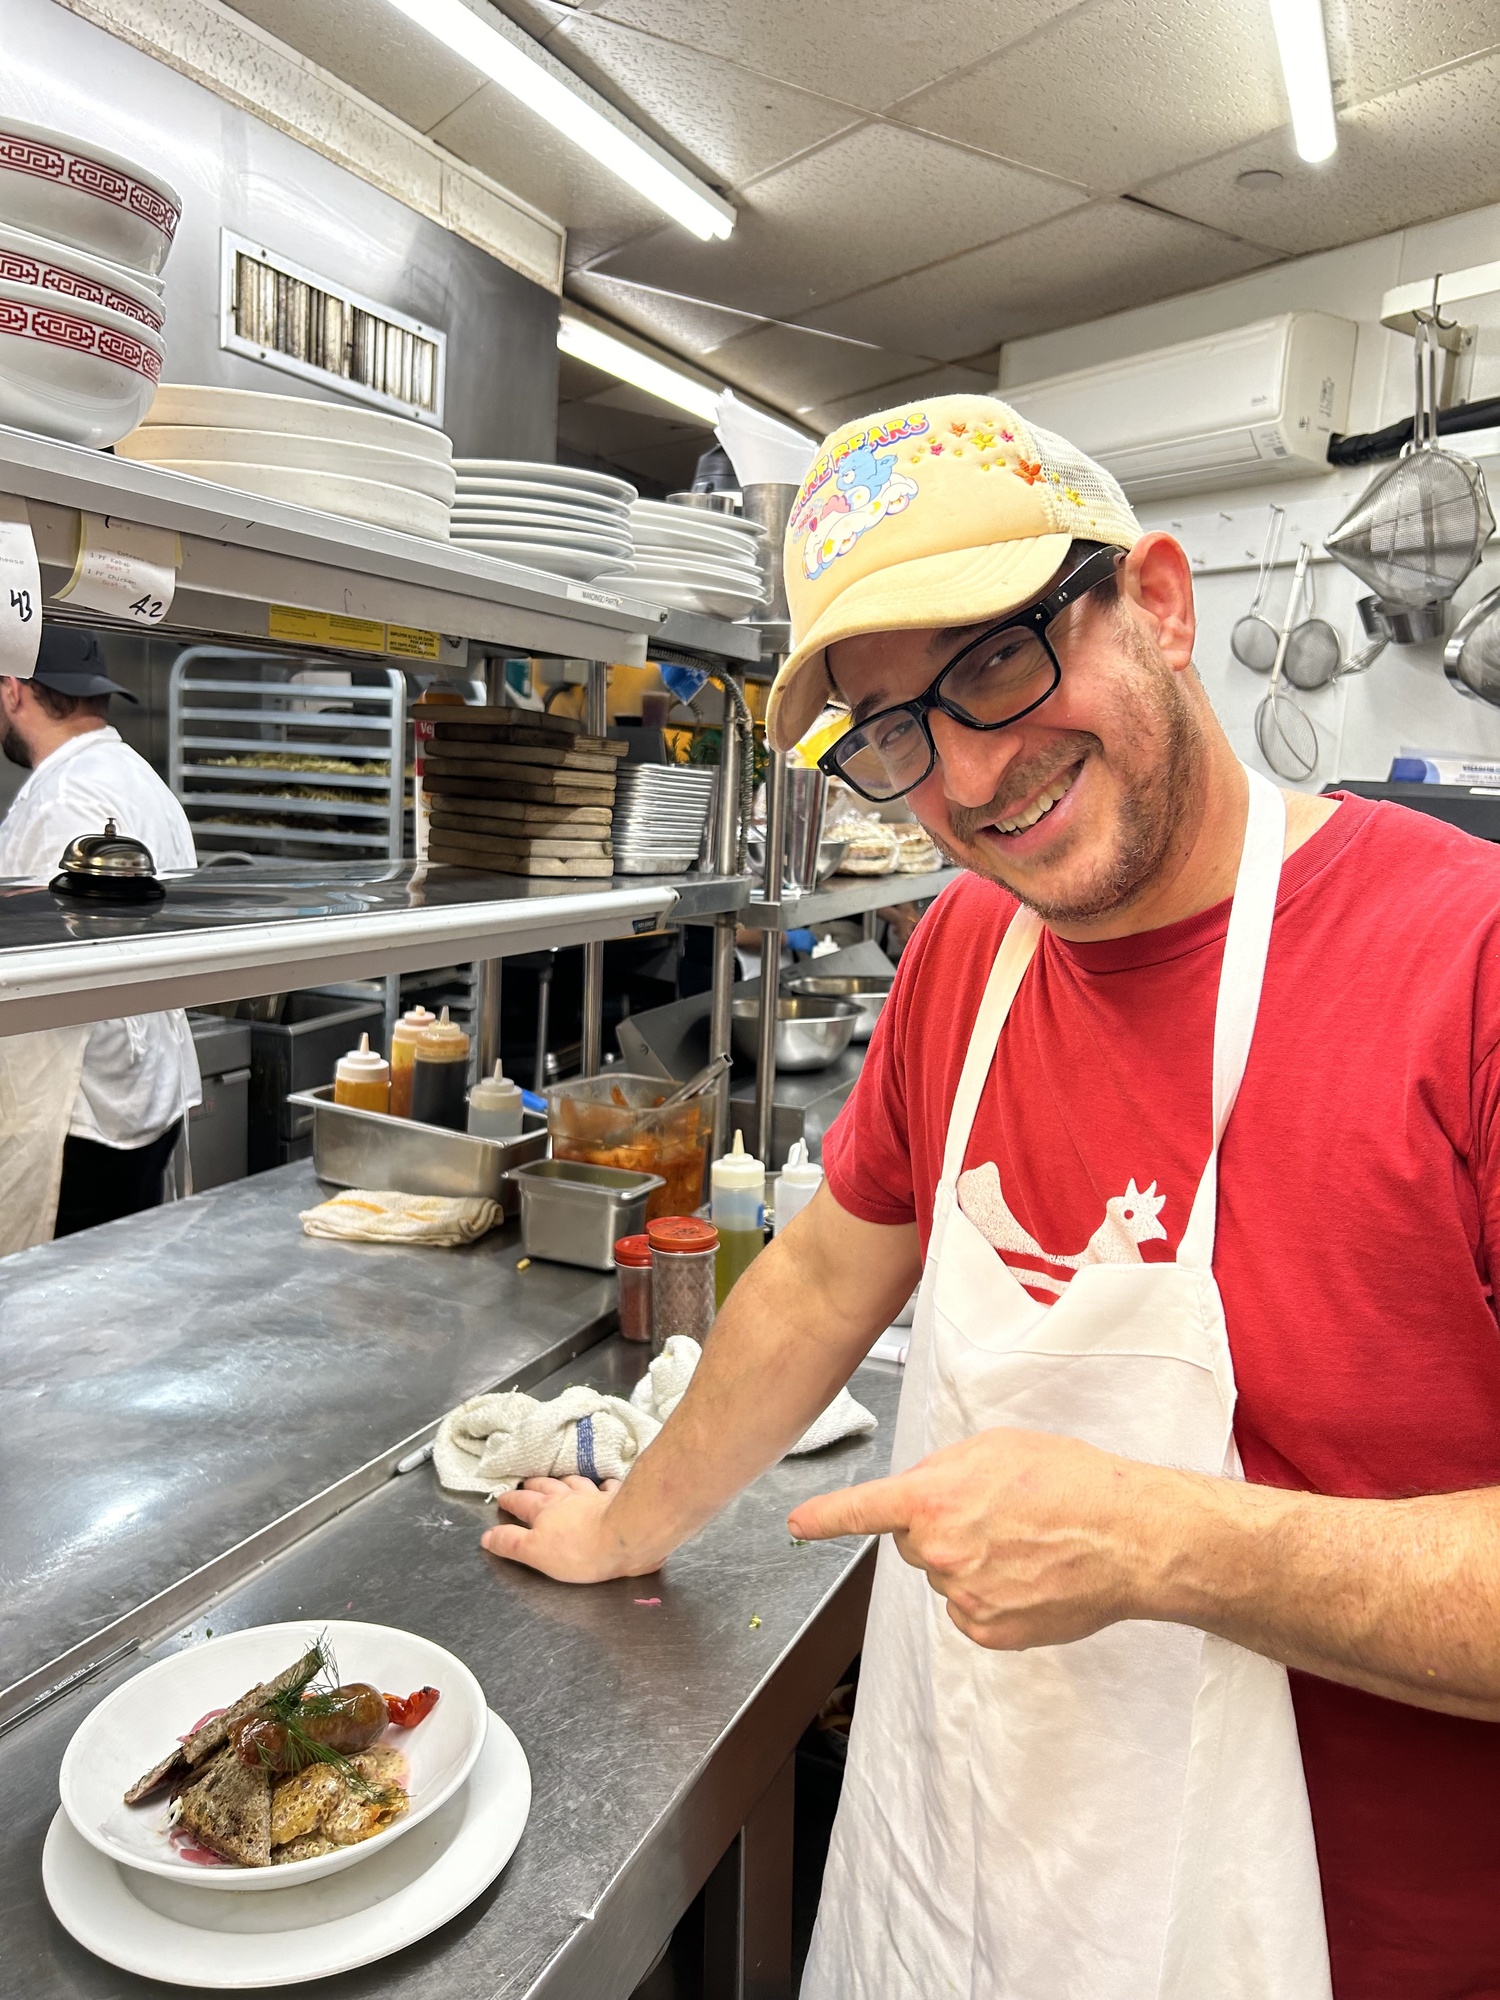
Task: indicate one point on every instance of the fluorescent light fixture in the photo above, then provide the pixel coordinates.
(536, 80)
(586, 342)
(1303, 45)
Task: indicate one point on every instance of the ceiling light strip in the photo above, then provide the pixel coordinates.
(1303, 46)
(524, 69)
(590, 343)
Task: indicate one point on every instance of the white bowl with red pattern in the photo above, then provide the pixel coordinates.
(71, 369)
(51, 266)
(52, 184)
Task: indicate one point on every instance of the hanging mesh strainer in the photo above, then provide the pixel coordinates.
(1287, 739)
(1471, 659)
(1313, 654)
(1420, 526)
(1254, 638)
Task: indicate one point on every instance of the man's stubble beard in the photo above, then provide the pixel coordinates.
(1155, 803)
(13, 746)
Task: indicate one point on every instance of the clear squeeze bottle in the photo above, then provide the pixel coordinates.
(415, 1021)
(737, 1190)
(495, 1107)
(362, 1079)
(796, 1184)
(440, 1074)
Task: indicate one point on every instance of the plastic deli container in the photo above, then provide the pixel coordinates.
(613, 1120)
(633, 1269)
(684, 1255)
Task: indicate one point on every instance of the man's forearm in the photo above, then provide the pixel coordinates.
(1399, 1597)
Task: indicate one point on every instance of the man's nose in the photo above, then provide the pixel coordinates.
(971, 762)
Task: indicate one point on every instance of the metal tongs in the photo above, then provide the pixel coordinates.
(706, 1078)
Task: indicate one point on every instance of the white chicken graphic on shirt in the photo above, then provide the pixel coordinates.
(1130, 1219)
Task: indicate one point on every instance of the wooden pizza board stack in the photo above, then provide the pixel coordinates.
(519, 793)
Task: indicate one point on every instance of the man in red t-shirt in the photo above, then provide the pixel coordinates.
(1183, 1106)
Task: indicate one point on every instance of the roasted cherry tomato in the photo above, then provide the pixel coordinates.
(408, 1710)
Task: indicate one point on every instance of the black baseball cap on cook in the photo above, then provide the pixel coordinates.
(72, 662)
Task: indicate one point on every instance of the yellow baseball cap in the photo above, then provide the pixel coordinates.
(939, 512)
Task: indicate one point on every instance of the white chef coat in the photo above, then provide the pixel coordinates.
(139, 1074)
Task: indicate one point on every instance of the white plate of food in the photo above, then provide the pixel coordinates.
(190, 1938)
(244, 1763)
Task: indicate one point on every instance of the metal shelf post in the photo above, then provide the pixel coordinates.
(596, 722)
(770, 954)
(720, 1021)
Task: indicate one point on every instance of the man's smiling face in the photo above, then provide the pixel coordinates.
(1077, 807)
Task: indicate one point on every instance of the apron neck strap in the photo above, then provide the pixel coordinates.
(1017, 949)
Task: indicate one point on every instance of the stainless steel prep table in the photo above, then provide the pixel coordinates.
(654, 1732)
(175, 1383)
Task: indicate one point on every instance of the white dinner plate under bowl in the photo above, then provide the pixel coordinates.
(355, 499)
(472, 471)
(72, 370)
(201, 405)
(55, 185)
(192, 444)
(710, 601)
(230, 1943)
(133, 1728)
(578, 565)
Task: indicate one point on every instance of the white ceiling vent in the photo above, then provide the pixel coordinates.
(277, 312)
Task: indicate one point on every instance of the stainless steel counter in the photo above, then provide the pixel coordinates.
(653, 1732)
(175, 1383)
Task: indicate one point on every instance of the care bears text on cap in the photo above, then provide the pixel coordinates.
(935, 513)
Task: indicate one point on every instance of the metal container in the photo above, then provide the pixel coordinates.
(810, 1032)
(370, 1149)
(869, 992)
(295, 1053)
(617, 1120)
(575, 1214)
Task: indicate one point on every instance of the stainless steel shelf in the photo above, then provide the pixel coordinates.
(845, 896)
(241, 554)
(228, 933)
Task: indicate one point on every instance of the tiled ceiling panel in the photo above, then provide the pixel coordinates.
(1424, 151)
(803, 371)
(1098, 260)
(869, 54)
(869, 204)
(1375, 45)
(372, 47)
(1113, 92)
(683, 324)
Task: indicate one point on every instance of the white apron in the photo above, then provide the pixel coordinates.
(39, 1076)
(1123, 1818)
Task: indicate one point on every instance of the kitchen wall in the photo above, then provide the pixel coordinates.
(236, 172)
(1404, 700)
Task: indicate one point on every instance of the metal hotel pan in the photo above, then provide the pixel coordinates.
(370, 1149)
(575, 1213)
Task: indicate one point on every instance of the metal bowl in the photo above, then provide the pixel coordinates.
(868, 991)
(810, 1032)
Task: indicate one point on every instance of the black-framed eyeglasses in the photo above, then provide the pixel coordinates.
(997, 678)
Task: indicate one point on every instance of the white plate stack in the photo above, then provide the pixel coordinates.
(660, 813)
(697, 561)
(547, 517)
(340, 459)
(83, 239)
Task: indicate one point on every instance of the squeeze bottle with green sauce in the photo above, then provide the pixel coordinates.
(440, 1075)
(737, 1192)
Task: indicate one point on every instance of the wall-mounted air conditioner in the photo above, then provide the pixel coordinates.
(1260, 402)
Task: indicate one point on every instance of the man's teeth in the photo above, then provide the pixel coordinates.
(1041, 805)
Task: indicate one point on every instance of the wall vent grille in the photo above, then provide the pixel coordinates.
(275, 311)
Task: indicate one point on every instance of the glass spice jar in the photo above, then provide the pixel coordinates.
(684, 1256)
(633, 1271)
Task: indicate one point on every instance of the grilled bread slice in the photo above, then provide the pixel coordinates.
(228, 1809)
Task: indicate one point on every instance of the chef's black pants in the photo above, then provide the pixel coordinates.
(102, 1183)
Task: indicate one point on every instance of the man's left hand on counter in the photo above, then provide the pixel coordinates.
(1036, 1540)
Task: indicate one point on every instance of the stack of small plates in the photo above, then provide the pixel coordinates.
(697, 561)
(660, 813)
(547, 517)
(361, 464)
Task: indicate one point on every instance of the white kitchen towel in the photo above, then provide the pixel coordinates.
(363, 1215)
(660, 1390)
(493, 1442)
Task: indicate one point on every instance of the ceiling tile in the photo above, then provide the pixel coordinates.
(732, 124)
(1427, 150)
(948, 381)
(377, 50)
(799, 371)
(868, 56)
(1117, 91)
(690, 326)
(1376, 45)
(1098, 260)
(874, 202)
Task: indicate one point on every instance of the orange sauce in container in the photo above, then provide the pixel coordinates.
(613, 1121)
(415, 1021)
(362, 1079)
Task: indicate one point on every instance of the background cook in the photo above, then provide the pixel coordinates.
(1106, 1282)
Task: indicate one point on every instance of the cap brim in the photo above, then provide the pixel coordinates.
(957, 587)
(81, 686)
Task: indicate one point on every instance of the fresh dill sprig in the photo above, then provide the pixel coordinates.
(306, 1702)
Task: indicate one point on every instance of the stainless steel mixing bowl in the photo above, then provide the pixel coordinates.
(811, 1032)
(869, 992)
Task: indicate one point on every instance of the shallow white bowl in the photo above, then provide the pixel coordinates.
(183, 444)
(202, 406)
(71, 273)
(52, 184)
(354, 499)
(133, 1728)
(73, 370)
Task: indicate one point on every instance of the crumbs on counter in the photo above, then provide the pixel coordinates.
(755, 1621)
(524, 1265)
(649, 1602)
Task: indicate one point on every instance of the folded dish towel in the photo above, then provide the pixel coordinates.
(660, 1390)
(491, 1443)
(359, 1215)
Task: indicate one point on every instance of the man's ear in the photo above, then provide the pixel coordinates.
(11, 696)
(1156, 581)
